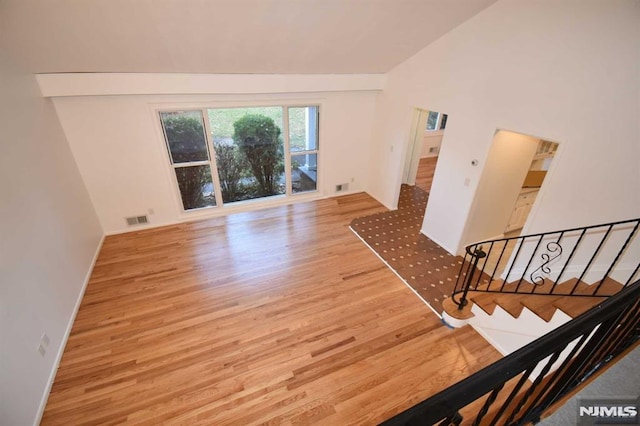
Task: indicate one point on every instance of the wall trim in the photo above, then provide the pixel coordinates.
(105, 84)
(65, 338)
(243, 208)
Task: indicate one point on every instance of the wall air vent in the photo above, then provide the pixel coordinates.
(137, 220)
(434, 149)
(342, 187)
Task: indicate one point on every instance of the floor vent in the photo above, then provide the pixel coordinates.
(137, 220)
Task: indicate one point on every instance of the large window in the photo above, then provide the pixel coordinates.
(240, 154)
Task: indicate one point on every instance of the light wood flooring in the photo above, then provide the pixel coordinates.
(279, 316)
(395, 235)
(426, 169)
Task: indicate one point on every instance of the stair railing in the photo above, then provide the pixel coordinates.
(593, 261)
(521, 387)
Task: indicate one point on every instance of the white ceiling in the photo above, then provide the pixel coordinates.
(224, 36)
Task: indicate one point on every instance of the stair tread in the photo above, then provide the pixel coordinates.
(541, 302)
(609, 287)
(485, 301)
(451, 308)
(513, 305)
(494, 285)
(508, 301)
(527, 287)
(577, 305)
(543, 306)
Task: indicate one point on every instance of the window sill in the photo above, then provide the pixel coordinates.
(249, 205)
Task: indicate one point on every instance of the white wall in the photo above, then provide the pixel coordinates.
(49, 235)
(506, 167)
(565, 71)
(508, 334)
(431, 140)
(118, 145)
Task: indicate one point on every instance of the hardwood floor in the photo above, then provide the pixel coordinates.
(426, 169)
(280, 316)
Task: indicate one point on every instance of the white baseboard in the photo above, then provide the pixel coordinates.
(506, 333)
(150, 226)
(65, 338)
(228, 210)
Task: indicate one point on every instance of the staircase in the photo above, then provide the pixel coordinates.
(568, 303)
(514, 290)
(531, 382)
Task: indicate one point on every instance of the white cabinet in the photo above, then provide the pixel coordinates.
(522, 209)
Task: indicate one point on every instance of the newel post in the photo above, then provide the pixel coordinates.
(477, 255)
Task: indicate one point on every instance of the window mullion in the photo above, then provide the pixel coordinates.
(190, 164)
(305, 152)
(287, 152)
(217, 189)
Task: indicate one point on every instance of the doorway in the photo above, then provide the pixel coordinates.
(427, 132)
(515, 171)
(540, 164)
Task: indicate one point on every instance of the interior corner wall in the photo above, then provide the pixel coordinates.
(562, 70)
(50, 235)
(121, 154)
(506, 167)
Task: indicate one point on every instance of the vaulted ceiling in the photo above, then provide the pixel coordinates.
(224, 36)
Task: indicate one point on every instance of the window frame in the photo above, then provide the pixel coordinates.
(437, 130)
(209, 162)
(287, 147)
(222, 208)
